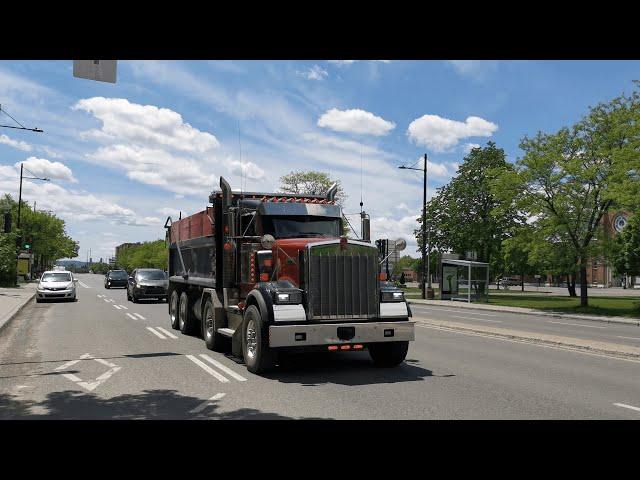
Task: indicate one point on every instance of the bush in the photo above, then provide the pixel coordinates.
(8, 263)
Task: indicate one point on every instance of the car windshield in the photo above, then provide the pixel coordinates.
(119, 275)
(151, 275)
(291, 226)
(56, 277)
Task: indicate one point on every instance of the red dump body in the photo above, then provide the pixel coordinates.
(194, 226)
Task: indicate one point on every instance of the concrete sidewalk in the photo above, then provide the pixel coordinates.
(13, 299)
(526, 311)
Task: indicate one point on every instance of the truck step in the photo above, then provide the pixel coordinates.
(227, 332)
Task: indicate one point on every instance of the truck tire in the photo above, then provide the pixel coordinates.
(388, 354)
(173, 310)
(212, 339)
(258, 356)
(185, 315)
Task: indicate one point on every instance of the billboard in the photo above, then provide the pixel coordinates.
(100, 70)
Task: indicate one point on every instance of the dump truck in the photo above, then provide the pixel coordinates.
(270, 274)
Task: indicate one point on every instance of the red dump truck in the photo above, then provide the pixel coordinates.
(263, 274)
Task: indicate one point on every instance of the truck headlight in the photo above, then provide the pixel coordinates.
(392, 297)
(292, 298)
(283, 297)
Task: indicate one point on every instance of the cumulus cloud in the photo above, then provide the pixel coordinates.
(355, 121)
(441, 134)
(41, 167)
(19, 144)
(314, 73)
(387, 227)
(470, 146)
(247, 169)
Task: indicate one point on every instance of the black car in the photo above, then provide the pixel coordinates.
(147, 283)
(116, 278)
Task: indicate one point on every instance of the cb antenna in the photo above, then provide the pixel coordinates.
(361, 180)
(241, 169)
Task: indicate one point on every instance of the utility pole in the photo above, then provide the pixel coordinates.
(425, 266)
(20, 192)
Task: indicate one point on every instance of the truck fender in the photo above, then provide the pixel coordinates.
(261, 298)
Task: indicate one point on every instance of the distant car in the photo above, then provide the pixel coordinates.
(116, 278)
(507, 281)
(56, 284)
(147, 283)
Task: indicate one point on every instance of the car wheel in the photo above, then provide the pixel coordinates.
(185, 316)
(258, 356)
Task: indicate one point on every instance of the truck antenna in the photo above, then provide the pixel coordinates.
(241, 169)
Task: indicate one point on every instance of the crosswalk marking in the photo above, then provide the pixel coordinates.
(225, 369)
(208, 369)
(152, 330)
(139, 316)
(131, 316)
(166, 332)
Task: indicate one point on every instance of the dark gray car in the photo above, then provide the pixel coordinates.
(147, 283)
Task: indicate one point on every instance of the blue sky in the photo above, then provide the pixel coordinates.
(122, 157)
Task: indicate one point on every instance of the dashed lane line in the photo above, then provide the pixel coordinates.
(84, 285)
(117, 307)
(167, 333)
(438, 309)
(123, 307)
(628, 338)
(158, 334)
(225, 369)
(630, 407)
(131, 316)
(207, 403)
(139, 316)
(575, 324)
(478, 319)
(208, 369)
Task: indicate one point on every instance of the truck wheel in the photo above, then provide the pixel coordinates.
(388, 354)
(258, 356)
(185, 316)
(173, 310)
(212, 339)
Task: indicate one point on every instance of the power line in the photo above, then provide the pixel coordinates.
(21, 127)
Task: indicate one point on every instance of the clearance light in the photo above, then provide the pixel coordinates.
(332, 347)
(267, 262)
(358, 347)
(345, 347)
(264, 277)
(382, 276)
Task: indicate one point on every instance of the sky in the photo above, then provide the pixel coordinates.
(122, 157)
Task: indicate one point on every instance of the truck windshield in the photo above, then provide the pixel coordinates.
(292, 226)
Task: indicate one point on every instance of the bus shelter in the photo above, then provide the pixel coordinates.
(464, 280)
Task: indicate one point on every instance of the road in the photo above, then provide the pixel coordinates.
(105, 358)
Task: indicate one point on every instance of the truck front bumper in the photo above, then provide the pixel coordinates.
(334, 333)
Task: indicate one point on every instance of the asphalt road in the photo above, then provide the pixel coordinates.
(93, 360)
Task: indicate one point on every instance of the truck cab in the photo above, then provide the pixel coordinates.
(270, 273)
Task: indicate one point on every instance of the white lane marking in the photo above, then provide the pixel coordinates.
(116, 307)
(629, 338)
(101, 379)
(139, 316)
(630, 407)
(71, 377)
(90, 386)
(166, 332)
(123, 307)
(207, 403)
(152, 330)
(527, 342)
(225, 369)
(478, 319)
(84, 285)
(106, 300)
(207, 368)
(131, 316)
(111, 300)
(100, 296)
(436, 309)
(575, 324)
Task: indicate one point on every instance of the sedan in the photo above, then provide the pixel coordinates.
(58, 285)
(147, 283)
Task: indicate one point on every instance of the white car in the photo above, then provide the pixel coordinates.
(56, 284)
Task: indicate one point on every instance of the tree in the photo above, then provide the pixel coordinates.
(626, 249)
(516, 253)
(568, 180)
(311, 182)
(146, 255)
(465, 215)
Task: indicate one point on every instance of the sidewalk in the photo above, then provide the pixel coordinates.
(13, 299)
(526, 311)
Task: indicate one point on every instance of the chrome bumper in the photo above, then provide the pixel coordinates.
(327, 334)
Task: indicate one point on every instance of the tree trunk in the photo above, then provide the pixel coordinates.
(571, 285)
(584, 300)
(522, 282)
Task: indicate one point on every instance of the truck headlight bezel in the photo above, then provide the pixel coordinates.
(388, 296)
(287, 297)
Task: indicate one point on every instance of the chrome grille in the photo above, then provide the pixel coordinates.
(341, 284)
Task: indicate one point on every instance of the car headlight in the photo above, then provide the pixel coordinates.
(392, 297)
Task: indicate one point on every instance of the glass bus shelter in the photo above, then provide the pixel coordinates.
(464, 280)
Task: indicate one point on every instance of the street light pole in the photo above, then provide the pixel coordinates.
(425, 263)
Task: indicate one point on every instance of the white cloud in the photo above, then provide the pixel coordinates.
(314, 73)
(247, 169)
(441, 134)
(342, 63)
(355, 121)
(41, 167)
(19, 144)
(386, 227)
(470, 146)
(477, 69)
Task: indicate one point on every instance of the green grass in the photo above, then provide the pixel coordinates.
(609, 306)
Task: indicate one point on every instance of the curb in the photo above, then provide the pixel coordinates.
(537, 313)
(535, 341)
(15, 311)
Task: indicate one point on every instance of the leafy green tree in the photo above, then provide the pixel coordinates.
(8, 255)
(465, 215)
(626, 249)
(146, 255)
(570, 179)
(516, 253)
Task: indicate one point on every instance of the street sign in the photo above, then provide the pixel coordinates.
(100, 70)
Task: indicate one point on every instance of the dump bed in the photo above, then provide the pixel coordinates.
(194, 226)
